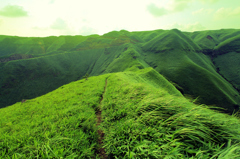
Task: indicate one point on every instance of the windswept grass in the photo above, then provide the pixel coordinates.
(141, 118)
(142, 122)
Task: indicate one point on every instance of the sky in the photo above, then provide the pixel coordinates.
(42, 18)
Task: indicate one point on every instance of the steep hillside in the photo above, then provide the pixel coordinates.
(24, 79)
(229, 66)
(185, 64)
(229, 45)
(202, 65)
(131, 114)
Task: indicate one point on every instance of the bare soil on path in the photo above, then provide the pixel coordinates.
(101, 151)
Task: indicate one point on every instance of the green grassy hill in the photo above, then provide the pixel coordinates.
(150, 94)
(202, 65)
(142, 115)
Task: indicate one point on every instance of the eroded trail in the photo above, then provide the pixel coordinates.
(101, 151)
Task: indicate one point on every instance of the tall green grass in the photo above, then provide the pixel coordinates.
(142, 122)
(60, 124)
(141, 118)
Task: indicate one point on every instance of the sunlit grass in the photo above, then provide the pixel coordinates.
(60, 124)
(141, 118)
(143, 122)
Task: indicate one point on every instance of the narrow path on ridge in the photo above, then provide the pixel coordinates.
(101, 151)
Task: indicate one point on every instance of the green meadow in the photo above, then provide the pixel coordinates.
(146, 94)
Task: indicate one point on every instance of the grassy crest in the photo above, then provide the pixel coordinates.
(143, 122)
(205, 39)
(170, 40)
(141, 118)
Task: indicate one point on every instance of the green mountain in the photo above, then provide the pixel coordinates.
(202, 65)
(148, 94)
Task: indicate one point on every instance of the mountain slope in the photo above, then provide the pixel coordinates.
(141, 118)
(190, 69)
(199, 64)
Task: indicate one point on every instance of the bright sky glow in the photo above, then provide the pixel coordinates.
(85, 17)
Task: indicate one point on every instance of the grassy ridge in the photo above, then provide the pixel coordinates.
(10, 45)
(142, 118)
(229, 45)
(143, 122)
(59, 124)
(209, 39)
(172, 39)
(30, 67)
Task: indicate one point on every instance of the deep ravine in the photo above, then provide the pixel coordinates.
(101, 151)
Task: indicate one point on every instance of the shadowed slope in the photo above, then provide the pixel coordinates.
(34, 66)
(24, 79)
(193, 71)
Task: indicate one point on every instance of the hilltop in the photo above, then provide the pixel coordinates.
(201, 65)
(131, 114)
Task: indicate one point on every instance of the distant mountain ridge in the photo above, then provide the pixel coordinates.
(201, 64)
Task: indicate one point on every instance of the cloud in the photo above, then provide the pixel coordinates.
(156, 11)
(172, 7)
(202, 11)
(223, 13)
(59, 24)
(187, 27)
(179, 5)
(193, 27)
(13, 11)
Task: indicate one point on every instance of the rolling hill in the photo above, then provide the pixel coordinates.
(146, 94)
(202, 65)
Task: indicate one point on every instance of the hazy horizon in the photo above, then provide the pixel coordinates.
(77, 17)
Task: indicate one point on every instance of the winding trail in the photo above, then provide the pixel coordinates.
(101, 151)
